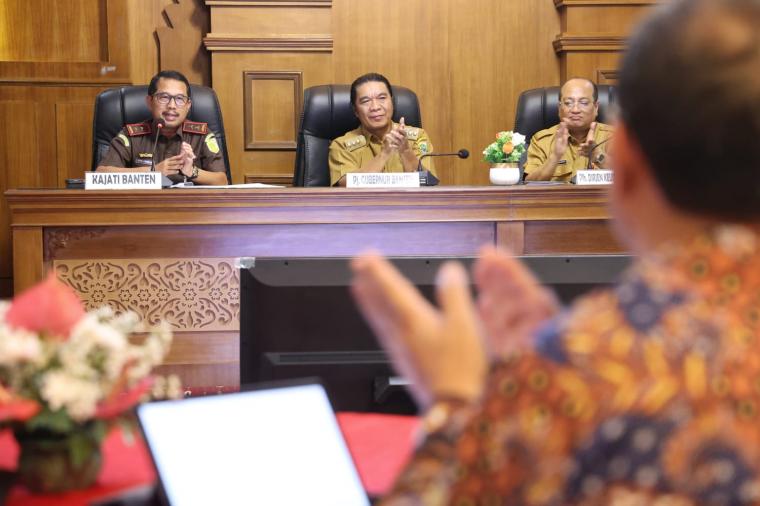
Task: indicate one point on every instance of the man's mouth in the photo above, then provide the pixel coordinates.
(377, 118)
(170, 117)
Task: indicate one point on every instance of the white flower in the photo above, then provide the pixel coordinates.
(79, 397)
(19, 346)
(517, 139)
(100, 334)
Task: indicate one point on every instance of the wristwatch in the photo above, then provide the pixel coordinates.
(194, 174)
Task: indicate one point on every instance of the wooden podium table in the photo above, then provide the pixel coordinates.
(171, 254)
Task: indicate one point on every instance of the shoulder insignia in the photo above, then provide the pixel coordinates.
(412, 133)
(211, 143)
(355, 143)
(124, 139)
(137, 129)
(195, 127)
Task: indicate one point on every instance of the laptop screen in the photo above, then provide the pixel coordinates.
(270, 446)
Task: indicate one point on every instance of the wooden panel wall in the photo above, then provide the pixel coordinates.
(593, 34)
(467, 61)
(55, 57)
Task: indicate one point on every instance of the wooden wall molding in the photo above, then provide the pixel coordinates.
(607, 76)
(267, 45)
(249, 136)
(565, 43)
(198, 294)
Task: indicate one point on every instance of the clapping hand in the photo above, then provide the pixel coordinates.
(589, 144)
(395, 140)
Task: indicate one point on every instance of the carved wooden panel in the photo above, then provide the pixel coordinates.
(181, 42)
(272, 107)
(198, 294)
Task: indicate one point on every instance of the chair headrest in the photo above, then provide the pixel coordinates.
(327, 111)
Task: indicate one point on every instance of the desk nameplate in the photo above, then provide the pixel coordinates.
(593, 177)
(122, 181)
(383, 180)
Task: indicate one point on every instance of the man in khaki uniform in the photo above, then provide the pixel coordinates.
(185, 150)
(379, 144)
(557, 153)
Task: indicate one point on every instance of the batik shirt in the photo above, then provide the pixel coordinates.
(645, 394)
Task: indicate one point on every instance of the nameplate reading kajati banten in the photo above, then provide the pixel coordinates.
(383, 180)
(122, 181)
(597, 176)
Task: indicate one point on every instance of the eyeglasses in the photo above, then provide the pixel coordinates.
(165, 98)
(582, 103)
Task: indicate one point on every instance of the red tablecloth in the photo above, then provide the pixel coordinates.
(380, 444)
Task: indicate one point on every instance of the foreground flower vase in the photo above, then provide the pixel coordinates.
(66, 375)
(50, 462)
(504, 173)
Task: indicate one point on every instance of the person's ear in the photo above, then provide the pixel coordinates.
(148, 100)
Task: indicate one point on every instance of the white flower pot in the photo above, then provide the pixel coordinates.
(504, 174)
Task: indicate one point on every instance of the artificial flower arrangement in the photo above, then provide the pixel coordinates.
(65, 375)
(508, 147)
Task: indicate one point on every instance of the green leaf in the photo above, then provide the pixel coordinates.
(52, 421)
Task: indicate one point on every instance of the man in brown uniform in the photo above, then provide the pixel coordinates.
(379, 144)
(557, 153)
(185, 150)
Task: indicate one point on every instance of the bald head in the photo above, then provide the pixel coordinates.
(689, 93)
(578, 106)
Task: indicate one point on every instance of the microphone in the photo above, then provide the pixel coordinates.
(165, 181)
(426, 177)
(159, 126)
(462, 153)
(591, 152)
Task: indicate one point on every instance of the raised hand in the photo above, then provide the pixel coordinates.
(511, 301)
(588, 144)
(189, 158)
(171, 166)
(439, 350)
(561, 140)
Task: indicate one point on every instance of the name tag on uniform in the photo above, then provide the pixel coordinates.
(383, 180)
(122, 181)
(598, 176)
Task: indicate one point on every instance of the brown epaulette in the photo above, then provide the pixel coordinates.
(137, 129)
(195, 127)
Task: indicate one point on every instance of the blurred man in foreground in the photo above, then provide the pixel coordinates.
(648, 393)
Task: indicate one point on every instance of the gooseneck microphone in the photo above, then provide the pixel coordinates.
(462, 153)
(426, 177)
(590, 165)
(159, 126)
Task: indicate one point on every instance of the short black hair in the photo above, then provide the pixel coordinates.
(592, 83)
(168, 74)
(367, 78)
(689, 93)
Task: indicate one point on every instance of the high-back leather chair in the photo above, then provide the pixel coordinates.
(117, 107)
(538, 108)
(327, 114)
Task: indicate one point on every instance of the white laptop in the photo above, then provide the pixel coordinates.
(276, 445)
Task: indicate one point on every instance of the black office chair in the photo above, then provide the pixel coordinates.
(117, 107)
(326, 115)
(538, 108)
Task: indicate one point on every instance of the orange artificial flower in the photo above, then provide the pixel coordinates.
(50, 307)
(508, 148)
